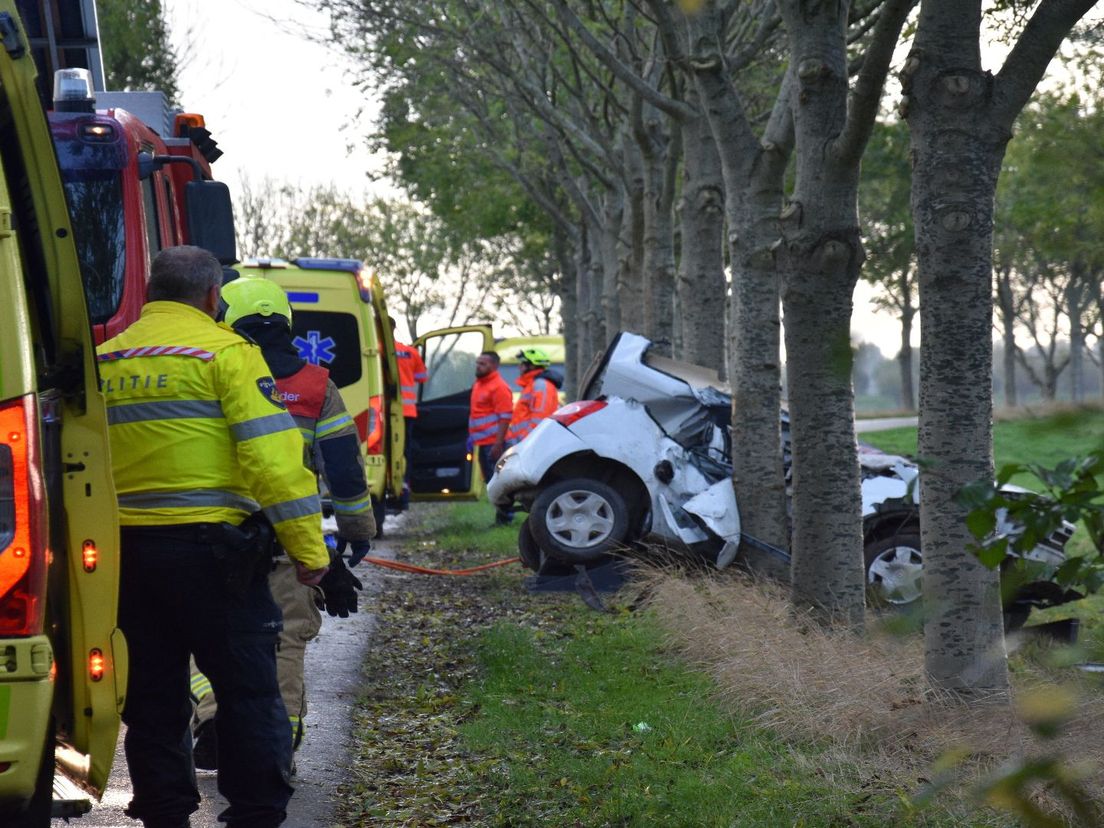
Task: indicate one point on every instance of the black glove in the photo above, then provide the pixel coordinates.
(360, 550)
(339, 587)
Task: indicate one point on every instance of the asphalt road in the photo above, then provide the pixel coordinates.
(333, 680)
(883, 423)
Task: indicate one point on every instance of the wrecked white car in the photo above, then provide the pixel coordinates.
(645, 457)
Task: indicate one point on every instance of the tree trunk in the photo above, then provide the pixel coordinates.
(568, 309)
(659, 250)
(904, 361)
(819, 260)
(1075, 310)
(701, 283)
(630, 284)
(956, 158)
(613, 217)
(585, 299)
(753, 174)
(1006, 303)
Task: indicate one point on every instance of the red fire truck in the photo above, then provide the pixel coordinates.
(138, 179)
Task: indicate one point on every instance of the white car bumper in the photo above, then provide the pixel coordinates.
(523, 466)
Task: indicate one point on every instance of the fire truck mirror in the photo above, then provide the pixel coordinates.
(147, 165)
(211, 219)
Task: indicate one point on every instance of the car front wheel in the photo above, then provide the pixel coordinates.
(894, 569)
(579, 520)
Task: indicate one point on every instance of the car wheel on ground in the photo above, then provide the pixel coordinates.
(528, 550)
(894, 567)
(579, 520)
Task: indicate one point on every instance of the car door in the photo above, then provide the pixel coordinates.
(441, 466)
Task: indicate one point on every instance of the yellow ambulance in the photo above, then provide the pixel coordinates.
(339, 321)
(63, 664)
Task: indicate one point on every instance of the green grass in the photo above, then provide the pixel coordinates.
(470, 526)
(590, 723)
(1043, 440)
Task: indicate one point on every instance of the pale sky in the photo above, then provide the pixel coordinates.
(280, 106)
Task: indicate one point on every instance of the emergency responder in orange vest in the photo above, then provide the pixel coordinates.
(492, 406)
(200, 443)
(412, 373)
(258, 309)
(539, 395)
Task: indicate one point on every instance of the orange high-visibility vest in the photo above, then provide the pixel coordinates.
(491, 403)
(539, 399)
(412, 371)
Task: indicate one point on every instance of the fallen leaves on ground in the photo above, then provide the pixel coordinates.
(409, 767)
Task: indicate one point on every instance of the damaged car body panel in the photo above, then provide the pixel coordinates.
(646, 456)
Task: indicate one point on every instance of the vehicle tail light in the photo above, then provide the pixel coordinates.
(572, 412)
(96, 665)
(90, 555)
(23, 552)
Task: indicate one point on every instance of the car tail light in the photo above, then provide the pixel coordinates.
(577, 410)
(22, 520)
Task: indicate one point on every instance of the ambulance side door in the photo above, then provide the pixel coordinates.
(392, 409)
(441, 466)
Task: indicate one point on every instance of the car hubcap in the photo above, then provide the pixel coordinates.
(580, 518)
(896, 573)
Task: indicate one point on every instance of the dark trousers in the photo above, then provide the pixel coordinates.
(173, 602)
(487, 466)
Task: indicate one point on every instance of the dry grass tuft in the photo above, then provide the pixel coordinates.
(864, 697)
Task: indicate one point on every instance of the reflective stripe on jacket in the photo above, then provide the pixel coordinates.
(539, 399)
(412, 372)
(198, 433)
(337, 455)
(492, 403)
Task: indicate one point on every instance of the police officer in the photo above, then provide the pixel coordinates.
(539, 396)
(200, 441)
(258, 308)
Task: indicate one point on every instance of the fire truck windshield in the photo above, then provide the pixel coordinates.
(96, 208)
(92, 156)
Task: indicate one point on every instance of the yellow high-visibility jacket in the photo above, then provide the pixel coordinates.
(198, 433)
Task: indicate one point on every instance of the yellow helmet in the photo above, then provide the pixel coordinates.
(534, 356)
(249, 295)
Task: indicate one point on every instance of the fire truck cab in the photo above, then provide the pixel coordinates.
(138, 179)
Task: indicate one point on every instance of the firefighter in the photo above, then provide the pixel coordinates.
(258, 309)
(492, 406)
(539, 395)
(200, 442)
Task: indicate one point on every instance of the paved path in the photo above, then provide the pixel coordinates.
(333, 680)
(883, 423)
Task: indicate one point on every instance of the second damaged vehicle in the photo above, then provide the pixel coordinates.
(645, 455)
